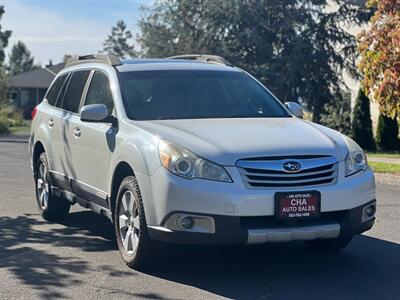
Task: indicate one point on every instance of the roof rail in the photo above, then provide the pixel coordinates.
(108, 59)
(214, 59)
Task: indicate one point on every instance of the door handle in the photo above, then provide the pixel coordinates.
(50, 122)
(77, 132)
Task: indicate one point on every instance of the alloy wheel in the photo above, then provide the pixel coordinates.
(129, 223)
(42, 186)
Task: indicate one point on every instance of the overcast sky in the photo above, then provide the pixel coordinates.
(52, 28)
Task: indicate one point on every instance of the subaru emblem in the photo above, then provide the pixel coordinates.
(292, 166)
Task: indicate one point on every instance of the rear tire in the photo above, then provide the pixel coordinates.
(51, 207)
(134, 244)
(329, 245)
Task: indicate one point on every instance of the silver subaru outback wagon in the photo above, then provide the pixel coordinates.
(191, 149)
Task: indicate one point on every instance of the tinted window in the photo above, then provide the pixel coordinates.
(99, 91)
(190, 94)
(74, 91)
(54, 90)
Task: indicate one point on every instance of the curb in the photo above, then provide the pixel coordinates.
(11, 140)
(15, 138)
(387, 179)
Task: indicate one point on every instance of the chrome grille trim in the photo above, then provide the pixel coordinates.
(292, 175)
(269, 173)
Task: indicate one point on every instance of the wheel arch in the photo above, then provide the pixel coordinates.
(38, 149)
(122, 170)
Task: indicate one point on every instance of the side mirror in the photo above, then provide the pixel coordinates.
(295, 108)
(94, 113)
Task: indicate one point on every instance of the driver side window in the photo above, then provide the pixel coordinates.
(99, 91)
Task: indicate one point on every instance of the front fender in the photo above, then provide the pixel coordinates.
(143, 159)
(139, 151)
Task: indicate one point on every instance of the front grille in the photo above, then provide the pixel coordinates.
(269, 173)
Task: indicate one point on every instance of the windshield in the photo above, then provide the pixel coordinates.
(188, 94)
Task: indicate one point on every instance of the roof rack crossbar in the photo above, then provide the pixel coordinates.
(214, 59)
(107, 59)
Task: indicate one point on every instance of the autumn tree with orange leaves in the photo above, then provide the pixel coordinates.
(380, 55)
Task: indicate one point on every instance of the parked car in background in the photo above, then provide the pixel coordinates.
(191, 149)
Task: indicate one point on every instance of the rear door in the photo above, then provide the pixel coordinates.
(92, 145)
(53, 123)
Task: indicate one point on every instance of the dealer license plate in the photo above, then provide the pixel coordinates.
(297, 205)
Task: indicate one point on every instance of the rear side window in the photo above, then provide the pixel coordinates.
(99, 91)
(54, 90)
(73, 94)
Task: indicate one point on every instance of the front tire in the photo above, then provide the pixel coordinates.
(51, 207)
(329, 245)
(134, 244)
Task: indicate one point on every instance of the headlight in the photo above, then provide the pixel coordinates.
(356, 160)
(186, 164)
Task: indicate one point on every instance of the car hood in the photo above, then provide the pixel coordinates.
(225, 141)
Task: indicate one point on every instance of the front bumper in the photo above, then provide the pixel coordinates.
(230, 230)
(244, 215)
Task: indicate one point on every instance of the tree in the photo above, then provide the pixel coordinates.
(337, 114)
(361, 127)
(4, 36)
(297, 48)
(4, 85)
(120, 42)
(21, 59)
(66, 58)
(380, 55)
(387, 135)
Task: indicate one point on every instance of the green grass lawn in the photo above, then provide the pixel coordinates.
(381, 167)
(384, 154)
(21, 129)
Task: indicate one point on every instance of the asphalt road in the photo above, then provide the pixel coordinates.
(79, 259)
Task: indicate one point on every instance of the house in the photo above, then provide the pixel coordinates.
(28, 89)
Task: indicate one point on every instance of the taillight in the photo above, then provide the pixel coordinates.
(33, 113)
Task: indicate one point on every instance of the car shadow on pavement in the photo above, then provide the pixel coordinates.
(368, 269)
(25, 249)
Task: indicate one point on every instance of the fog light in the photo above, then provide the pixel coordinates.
(370, 211)
(190, 222)
(187, 222)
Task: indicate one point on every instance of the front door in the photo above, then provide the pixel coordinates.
(68, 114)
(92, 144)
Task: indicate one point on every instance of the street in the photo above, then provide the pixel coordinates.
(78, 258)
